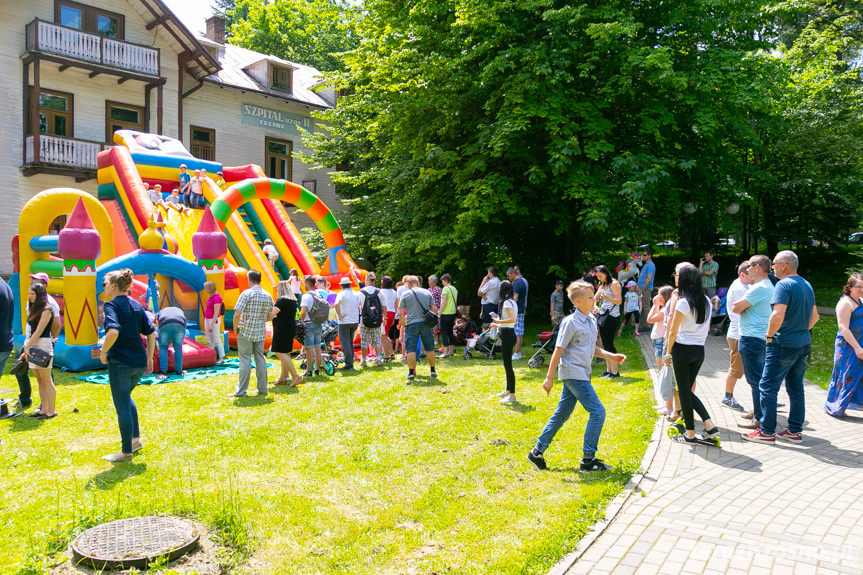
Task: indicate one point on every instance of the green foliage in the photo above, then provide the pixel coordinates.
(311, 32)
(535, 130)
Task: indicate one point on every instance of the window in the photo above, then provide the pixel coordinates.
(278, 158)
(203, 143)
(89, 19)
(122, 117)
(280, 78)
(55, 112)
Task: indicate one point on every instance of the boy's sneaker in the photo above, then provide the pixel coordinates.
(516, 356)
(537, 460)
(433, 373)
(588, 465)
(759, 437)
(792, 437)
(731, 403)
(307, 373)
(411, 376)
(507, 400)
(708, 433)
(683, 438)
(637, 334)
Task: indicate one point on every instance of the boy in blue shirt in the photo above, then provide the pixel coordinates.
(573, 353)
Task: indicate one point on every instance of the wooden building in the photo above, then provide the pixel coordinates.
(75, 72)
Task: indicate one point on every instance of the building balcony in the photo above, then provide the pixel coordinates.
(61, 156)
(97, 52)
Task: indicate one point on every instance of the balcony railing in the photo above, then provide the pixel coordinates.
(61, 152)
(71, 43)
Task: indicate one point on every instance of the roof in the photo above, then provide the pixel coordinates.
(193, 56)
(236, 62)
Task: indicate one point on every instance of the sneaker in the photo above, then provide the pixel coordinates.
(307, 373)
(708, 433)
(588, 465)
(118, 457)
(235, 394)
(788, 436)
(500, 395)
(137, 445)
(758, 436)
(363, 363)
(433, 373)
(161, 376)
(637, 334)
(411, 376)
(598, 360)
(731, 403)
(618, 334)
(613, 375)
(379, 362)
(751, 424)
(683, 438)
(605, 374)
(317, 372)
(507, 400)
(516, 356)
(537, 460)
(748, 415)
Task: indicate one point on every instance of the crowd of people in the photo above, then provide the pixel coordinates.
(771, 310)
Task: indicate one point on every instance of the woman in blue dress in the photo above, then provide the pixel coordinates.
(846, 390)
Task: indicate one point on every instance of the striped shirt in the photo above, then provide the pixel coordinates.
(256, 305)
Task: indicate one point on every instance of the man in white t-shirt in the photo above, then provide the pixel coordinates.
(736, 292)
(489, 290)
(347, 308)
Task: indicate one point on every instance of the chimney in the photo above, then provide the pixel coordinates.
(216, 29)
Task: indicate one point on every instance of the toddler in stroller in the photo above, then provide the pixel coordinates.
(484, 343)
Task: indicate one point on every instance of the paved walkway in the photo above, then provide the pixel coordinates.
(744, 508)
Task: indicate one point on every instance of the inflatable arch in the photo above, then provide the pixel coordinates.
(228, 201)
(152, 263)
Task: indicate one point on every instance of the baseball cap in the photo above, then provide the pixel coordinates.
(631, 283)
(558, 283)
(41, 276)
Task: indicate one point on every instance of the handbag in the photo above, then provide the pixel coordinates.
(40, 357)
(429, 317)
(603, 317)
(20, 367)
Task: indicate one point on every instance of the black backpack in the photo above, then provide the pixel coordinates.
(372, 313)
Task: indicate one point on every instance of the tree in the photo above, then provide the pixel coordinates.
(311, 32)
(481, 131)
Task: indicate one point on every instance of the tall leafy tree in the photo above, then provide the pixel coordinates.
(312, 32)
(529, 130)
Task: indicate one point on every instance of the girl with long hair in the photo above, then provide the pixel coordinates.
(507, 315)
(685, 337)
(40, 319)
(608, 298)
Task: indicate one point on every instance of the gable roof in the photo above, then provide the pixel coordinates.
(193, 56)
(234, 73)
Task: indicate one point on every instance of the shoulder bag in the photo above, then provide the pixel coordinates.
(429, 317)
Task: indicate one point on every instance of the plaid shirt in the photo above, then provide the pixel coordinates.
(256, 306)
(709, 281)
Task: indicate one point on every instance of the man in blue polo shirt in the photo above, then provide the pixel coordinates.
(645, 287)
(788, 344)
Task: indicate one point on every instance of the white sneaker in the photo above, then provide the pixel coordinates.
(363, 363)
(500, 395)
(379, 361)
(516, 356)
(507, 400)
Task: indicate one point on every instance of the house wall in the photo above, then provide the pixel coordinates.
(239, 143)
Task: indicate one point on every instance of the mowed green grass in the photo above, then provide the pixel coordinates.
(349, 474)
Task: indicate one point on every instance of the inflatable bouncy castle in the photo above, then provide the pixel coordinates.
(171, 253)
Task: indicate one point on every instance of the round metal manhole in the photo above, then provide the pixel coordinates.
(134, 542)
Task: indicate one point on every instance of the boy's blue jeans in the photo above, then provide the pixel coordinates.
(574, 391)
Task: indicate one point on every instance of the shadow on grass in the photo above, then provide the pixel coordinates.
(520, 407)
(117, 474)
(24, 422)
(253, 401)
(427, 382)
(284, 389)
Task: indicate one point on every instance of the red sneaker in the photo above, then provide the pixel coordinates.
(792, 437)
(758, 436)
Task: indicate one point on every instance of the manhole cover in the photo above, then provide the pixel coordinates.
(134, 542)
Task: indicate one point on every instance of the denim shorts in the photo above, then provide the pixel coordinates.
(416, 331)
(313, 335)
(658, 344)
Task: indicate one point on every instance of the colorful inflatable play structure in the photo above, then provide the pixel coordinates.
(171, 253)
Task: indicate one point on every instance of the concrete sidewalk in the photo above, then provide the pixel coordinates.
(744, 507)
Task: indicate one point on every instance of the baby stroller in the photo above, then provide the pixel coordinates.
(329, 332)
(483, 343)
(544, 345)
(719, 320)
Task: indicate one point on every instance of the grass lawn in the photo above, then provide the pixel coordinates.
(350, 474)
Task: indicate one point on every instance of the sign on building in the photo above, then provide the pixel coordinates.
(255, 115)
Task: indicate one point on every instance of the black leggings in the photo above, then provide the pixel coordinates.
(607, 333)
(507, 342)
(447, 321)
(687, 360)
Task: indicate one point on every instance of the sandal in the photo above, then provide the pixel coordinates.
(281, 382)
(674, 416)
